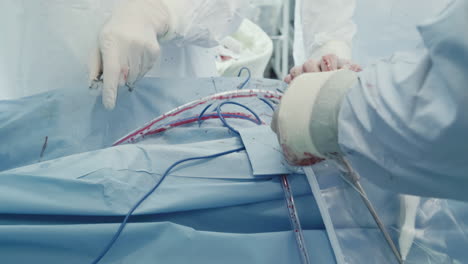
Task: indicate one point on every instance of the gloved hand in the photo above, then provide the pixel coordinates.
(329, 62)
(306, 121)
(128, 46)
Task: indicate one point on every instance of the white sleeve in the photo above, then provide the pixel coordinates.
(327, 27)
(203, 22)
(405, 127)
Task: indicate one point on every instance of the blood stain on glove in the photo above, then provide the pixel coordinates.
(306, 160)
(225, 58)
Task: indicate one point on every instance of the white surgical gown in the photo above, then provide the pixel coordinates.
(404, 126)
(45, 44)
(319, 22)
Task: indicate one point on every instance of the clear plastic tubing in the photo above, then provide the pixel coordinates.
(160, 123)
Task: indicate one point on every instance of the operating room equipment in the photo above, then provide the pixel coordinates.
(183, 115)
(162, 123)
(154, 127)
(295, 222)
(354, 178)
(224, 98)
(66, 208)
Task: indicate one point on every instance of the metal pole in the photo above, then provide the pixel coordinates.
(285, 40)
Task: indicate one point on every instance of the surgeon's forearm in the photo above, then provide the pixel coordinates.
(154, 14)
(203, 22)
(328, 27)
(405, 126)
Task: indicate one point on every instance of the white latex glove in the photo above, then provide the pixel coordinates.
(329, 62)
(128, 46)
